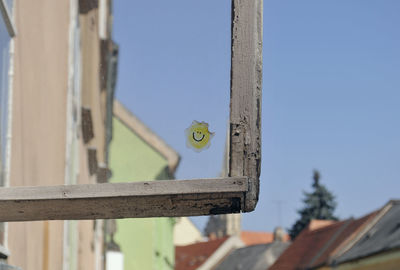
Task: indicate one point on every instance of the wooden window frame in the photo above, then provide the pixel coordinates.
(170, 198)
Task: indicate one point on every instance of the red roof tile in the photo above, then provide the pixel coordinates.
(348, 232)
(313, 247)
(192, 256)
(305, 246)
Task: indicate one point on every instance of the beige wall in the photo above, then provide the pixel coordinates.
(39, 115)
(38, 150)
(186, 233)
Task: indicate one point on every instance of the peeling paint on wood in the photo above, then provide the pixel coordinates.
(246, 84)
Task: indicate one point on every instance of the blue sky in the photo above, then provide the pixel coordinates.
(331, 94)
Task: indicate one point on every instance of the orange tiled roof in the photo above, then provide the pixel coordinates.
(255, 238)
(192, 256)
(315, 244)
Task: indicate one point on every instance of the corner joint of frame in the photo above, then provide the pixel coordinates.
(251, 196)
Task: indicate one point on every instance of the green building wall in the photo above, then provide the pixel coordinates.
(147, 243)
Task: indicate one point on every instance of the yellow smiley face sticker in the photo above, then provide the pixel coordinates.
(198, 136)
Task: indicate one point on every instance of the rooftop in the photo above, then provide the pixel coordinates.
(192, 256)
(256, 257)
(382, 236)
(315, 244)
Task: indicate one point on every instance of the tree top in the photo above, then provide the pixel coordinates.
(316, 178)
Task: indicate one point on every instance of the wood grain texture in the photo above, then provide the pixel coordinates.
(246, 84)
(167, 198)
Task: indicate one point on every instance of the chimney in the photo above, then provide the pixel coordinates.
(279, 234)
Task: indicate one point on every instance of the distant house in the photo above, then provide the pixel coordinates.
(255, 238)
(186, 233)
(255, 257)
(205, 255)
(263, 248)
(370, 242)
(137, 154)
(377, 247)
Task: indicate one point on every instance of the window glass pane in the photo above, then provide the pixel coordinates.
(4, 62)
(181, 95)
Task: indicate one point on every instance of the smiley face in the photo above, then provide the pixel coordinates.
(198, 136)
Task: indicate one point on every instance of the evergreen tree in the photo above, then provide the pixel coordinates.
(319, 204)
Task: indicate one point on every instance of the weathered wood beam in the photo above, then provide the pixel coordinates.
(166, 198)
(246, 83)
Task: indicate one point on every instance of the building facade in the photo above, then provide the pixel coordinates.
(59, 63)
(137, 154)
(186, 233)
